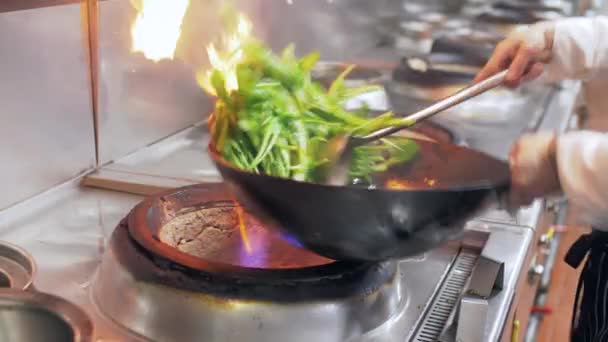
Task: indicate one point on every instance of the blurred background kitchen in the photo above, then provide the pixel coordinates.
(104, 94)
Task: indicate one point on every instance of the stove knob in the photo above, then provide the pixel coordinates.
(545, 239)
(537, 270)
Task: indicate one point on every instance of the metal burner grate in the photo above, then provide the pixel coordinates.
(447, 297)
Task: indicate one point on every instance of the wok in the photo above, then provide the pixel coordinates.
(441, 188)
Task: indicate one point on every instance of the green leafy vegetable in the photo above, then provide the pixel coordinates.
(278, 120)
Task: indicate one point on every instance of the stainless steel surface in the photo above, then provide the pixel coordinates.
(480, 298)
(37, 317)
(66, 231)
(17, 267)
(487, 276)
(182, 156)
(47, 123)
(503, 236)
(207, 318)
(19, 5)
(441, 312)
(326, 320)
(473, 311)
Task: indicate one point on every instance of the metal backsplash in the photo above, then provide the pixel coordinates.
(46, 129)
(141, 101)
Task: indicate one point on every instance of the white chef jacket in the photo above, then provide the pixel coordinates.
(580, 51)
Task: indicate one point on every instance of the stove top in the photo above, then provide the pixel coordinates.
(168, 294)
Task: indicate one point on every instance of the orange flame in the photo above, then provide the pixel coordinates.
(157, 27)
(227, 57)
(402, 184)
(240, 213)
(397, 184)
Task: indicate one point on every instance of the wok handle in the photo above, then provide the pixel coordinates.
(449, 102)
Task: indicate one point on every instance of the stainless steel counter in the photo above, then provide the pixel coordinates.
(67, 228)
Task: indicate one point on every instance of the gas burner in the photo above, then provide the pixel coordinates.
(181, 261)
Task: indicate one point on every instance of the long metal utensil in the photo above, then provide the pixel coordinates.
(340, 148)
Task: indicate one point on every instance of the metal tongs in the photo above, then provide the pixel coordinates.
(340, 148)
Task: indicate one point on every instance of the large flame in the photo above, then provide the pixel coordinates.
(227, 57)
(240, 213)
(158, 27)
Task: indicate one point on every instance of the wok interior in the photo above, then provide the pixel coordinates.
(436, 166)
(445, 167)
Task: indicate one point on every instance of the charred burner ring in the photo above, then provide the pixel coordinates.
(138, 246)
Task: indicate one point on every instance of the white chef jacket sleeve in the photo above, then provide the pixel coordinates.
(582, 164)
(580, 49)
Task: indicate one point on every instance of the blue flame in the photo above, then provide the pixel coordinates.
(291, 240)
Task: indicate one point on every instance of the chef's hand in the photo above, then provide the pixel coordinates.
(533, 169)
(523, 52)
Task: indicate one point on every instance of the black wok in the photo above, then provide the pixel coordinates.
(447, 185)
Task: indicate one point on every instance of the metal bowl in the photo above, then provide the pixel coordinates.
(17, 267)
(38, 317)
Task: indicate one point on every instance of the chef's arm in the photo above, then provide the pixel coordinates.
(579, 48)
(582, 166)
(573, 48)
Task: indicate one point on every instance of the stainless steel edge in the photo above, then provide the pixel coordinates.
(543, 288)
(92, 29)
(510, 244)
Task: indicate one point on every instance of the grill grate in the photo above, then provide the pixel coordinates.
(439, 312)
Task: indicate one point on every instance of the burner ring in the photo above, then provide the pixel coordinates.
(139, 246)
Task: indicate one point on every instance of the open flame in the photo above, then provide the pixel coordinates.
(227, 57)
(158, 27)
(402, 184)
(240, 213)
